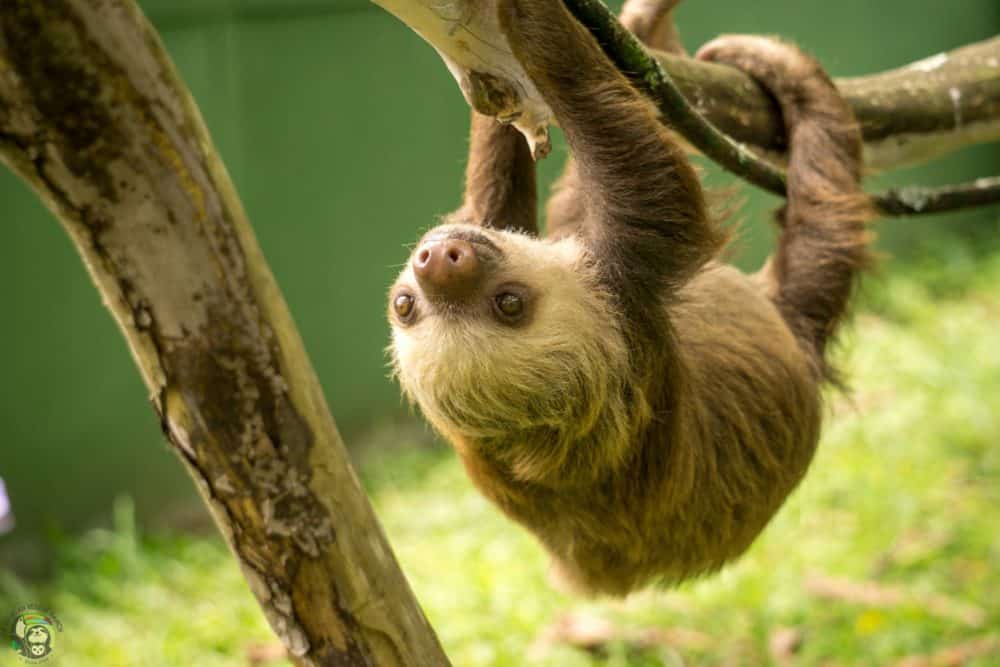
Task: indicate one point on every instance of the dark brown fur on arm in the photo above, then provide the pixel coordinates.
(652, 22)
(640, 195)
(500, 182)
(824, 241)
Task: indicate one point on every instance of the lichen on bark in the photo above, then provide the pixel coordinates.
(94, 117)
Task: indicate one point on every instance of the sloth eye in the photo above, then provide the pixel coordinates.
(510, 305)
(404, 307)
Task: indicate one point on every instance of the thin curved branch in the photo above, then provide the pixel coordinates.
(647, 73)
(915, 200)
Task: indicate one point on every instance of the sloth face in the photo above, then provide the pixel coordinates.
(495, 331)
(462, 274)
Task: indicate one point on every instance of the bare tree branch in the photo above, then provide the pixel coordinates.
(916, 200)
(94, 117)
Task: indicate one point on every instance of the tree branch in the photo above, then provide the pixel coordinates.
(916, 200)
(907, 116)
(647, 73)
(94, 117)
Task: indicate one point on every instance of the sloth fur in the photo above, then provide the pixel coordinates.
(639, 406)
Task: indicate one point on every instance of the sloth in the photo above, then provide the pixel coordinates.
(641, 407)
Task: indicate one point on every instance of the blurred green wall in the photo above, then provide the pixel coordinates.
(345, 136)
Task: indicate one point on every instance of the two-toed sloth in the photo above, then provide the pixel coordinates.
(643, 409)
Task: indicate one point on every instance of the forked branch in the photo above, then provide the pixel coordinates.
(909, 115)
(648, 74)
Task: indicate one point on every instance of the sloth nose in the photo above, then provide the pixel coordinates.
(447, 269)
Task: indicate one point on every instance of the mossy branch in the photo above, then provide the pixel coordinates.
(95, 118)
(648, 74)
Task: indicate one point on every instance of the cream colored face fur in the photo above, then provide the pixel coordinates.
(559, 377)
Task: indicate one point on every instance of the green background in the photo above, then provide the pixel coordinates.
(345, 136)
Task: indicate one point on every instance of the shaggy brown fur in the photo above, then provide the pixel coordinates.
(654, 408)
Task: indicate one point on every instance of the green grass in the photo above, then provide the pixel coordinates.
(904, 493)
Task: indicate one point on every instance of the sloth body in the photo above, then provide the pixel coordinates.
(622, 481)
(643, 409)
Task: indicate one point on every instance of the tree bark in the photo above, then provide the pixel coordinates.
(94, 117)
(908, 115)
(677, 111)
